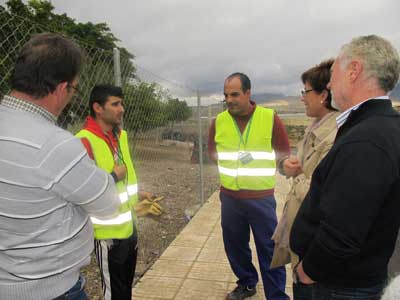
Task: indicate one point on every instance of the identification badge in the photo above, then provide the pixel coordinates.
(245, 157)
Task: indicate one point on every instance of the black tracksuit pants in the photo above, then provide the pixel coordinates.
(117, 263)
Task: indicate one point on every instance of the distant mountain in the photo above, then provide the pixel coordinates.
(395, 93)
(267, 97)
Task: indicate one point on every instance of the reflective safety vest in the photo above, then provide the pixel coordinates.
(121, 226)
(246, 161)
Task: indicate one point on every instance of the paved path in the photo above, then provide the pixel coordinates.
(194, 266)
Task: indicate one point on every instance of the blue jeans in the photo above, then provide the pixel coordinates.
(77, 292)
(238, 217)
(323, 292)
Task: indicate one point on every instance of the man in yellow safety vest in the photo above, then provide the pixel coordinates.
(248, 141)
(107, 144)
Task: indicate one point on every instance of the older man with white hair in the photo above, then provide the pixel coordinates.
(347, 226)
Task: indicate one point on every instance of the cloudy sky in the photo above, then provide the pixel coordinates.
(198, 43)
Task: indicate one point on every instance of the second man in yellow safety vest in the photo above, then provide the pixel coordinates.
(248, 141)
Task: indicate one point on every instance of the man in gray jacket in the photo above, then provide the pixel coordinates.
(48, 184)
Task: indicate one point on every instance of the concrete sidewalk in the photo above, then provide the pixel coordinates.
(195, 266)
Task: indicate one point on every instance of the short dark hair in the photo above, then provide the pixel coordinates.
(318, 77)
(100, 94)
(244, 80)
(45, 61)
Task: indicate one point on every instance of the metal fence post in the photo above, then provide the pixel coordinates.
(117, 67)
(200, 131)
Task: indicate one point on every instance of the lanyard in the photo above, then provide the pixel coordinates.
(248, 127)
(115, 150)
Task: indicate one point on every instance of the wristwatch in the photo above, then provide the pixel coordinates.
(280, 165)
(114, 176)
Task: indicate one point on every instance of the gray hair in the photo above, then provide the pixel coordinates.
(381, 60)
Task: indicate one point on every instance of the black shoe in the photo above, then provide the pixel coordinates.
(241, 292)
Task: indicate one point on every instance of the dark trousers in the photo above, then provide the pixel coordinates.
(237, 217)
(117, 264)
(323, 292)
(77, 292)
(302, 291)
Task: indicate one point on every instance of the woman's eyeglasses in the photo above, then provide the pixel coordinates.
(304, 91)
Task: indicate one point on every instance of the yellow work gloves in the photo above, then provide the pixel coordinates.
(149, 206)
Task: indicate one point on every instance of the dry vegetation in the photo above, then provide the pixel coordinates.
(295, 127)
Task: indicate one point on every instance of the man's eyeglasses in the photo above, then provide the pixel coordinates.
(304, 91)
(78, 92)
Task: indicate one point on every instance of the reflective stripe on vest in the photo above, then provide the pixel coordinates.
(121, 226)
(120, 219)
(254, 155)
(247, 171)
(256, 140)
(131, 191)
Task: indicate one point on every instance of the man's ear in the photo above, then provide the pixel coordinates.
(61, 88)
(97, 108)
(355, 68)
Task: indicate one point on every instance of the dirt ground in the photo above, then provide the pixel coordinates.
(165, 170)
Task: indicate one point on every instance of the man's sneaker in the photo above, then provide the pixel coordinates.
(241, 292)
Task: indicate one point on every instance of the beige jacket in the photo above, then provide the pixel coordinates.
(394, 263)
(316, 143)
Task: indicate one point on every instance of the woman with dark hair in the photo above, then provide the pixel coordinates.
(317, 141)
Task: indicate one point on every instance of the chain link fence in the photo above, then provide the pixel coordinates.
(166, 124)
